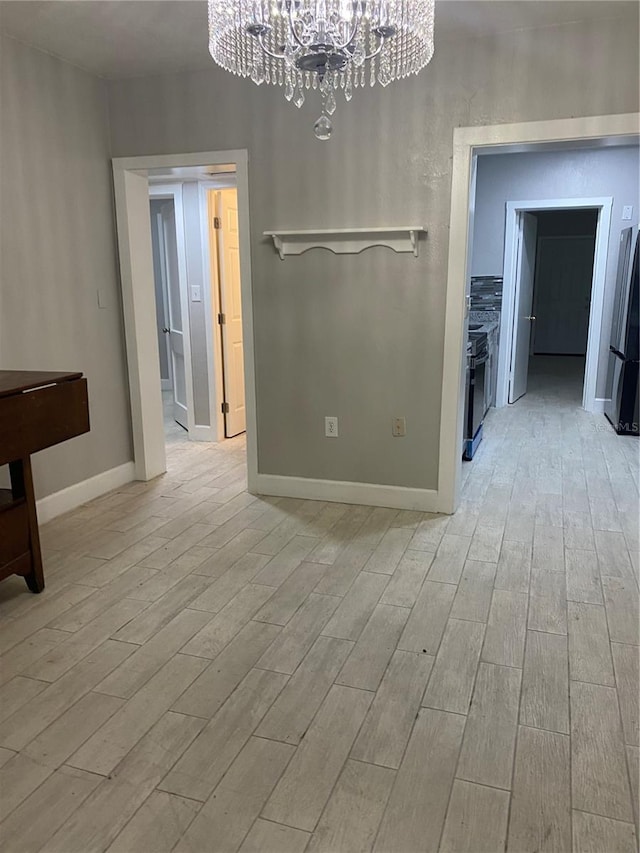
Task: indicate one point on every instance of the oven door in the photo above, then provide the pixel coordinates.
(479, 386)
(467, 402)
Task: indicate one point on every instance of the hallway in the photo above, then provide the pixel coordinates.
(558, 379)
(209, 670)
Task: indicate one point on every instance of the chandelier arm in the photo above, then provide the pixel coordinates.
(267, 50)
(354, 32)
(293, 30)
(381, 44)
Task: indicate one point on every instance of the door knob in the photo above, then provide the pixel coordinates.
(529, 318)
(166, 331)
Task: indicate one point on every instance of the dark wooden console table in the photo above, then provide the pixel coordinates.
(37, 410)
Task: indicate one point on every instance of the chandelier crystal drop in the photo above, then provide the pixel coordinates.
(321, 44)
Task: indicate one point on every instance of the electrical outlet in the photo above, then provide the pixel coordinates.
(331, 427)
(399, 427)
(627, 211)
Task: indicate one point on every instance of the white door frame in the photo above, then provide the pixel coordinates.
(468, 141)
(507, 319)
(174, 191)
(136, 271)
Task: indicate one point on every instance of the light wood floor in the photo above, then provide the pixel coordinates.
(211, 671)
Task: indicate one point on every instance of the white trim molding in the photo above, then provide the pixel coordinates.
(73, 496)
(467, 143)
(141, 334)
(202, 432)
(347, 241)
(337, 491)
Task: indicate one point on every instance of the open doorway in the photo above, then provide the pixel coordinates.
(555, 259)
(562, 284)
(169, 312)
(195, 237)
(536, 325)
(188, 180)
(470, 145)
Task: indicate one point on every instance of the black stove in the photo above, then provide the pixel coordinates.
(477, 344)
(477, 354)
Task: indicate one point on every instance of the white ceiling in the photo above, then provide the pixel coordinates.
(130, 38)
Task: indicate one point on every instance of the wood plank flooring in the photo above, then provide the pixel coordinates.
(208, 670)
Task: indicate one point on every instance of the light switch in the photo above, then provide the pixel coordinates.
(103, 299)
(627, 211)
(195, 293)
(399, 427)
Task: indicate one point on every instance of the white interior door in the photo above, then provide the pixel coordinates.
(162, 299)
(231, 308)
(175, 319)
(523, 305)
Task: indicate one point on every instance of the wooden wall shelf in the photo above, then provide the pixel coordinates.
(351, 241)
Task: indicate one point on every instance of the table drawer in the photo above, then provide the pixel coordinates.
(33, 420)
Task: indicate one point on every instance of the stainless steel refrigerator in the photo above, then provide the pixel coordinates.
(621, 407)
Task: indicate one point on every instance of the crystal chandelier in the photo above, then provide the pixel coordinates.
(321, 44)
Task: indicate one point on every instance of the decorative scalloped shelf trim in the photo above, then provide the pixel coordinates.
(347, 241)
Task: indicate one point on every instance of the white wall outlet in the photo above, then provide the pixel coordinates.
(399, 427)
(331, 427)
(195, 293)
(627, 211)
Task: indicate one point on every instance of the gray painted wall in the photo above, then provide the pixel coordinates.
(560, 174)
(57, 249)
(197, 315)
(361, 337)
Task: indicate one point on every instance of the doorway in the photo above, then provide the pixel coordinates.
(562, 285)
(131, 184)
(468, 144)
(559, 276)
(199, 304)
(170, 287)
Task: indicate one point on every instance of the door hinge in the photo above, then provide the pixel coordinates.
(217, 224)
(221, 319)
(225, 408)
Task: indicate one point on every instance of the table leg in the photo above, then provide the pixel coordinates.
(22, 487)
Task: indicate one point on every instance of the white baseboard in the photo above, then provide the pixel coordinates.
(369, 494)
(598, 405)
(202, 433)
(78, 494)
